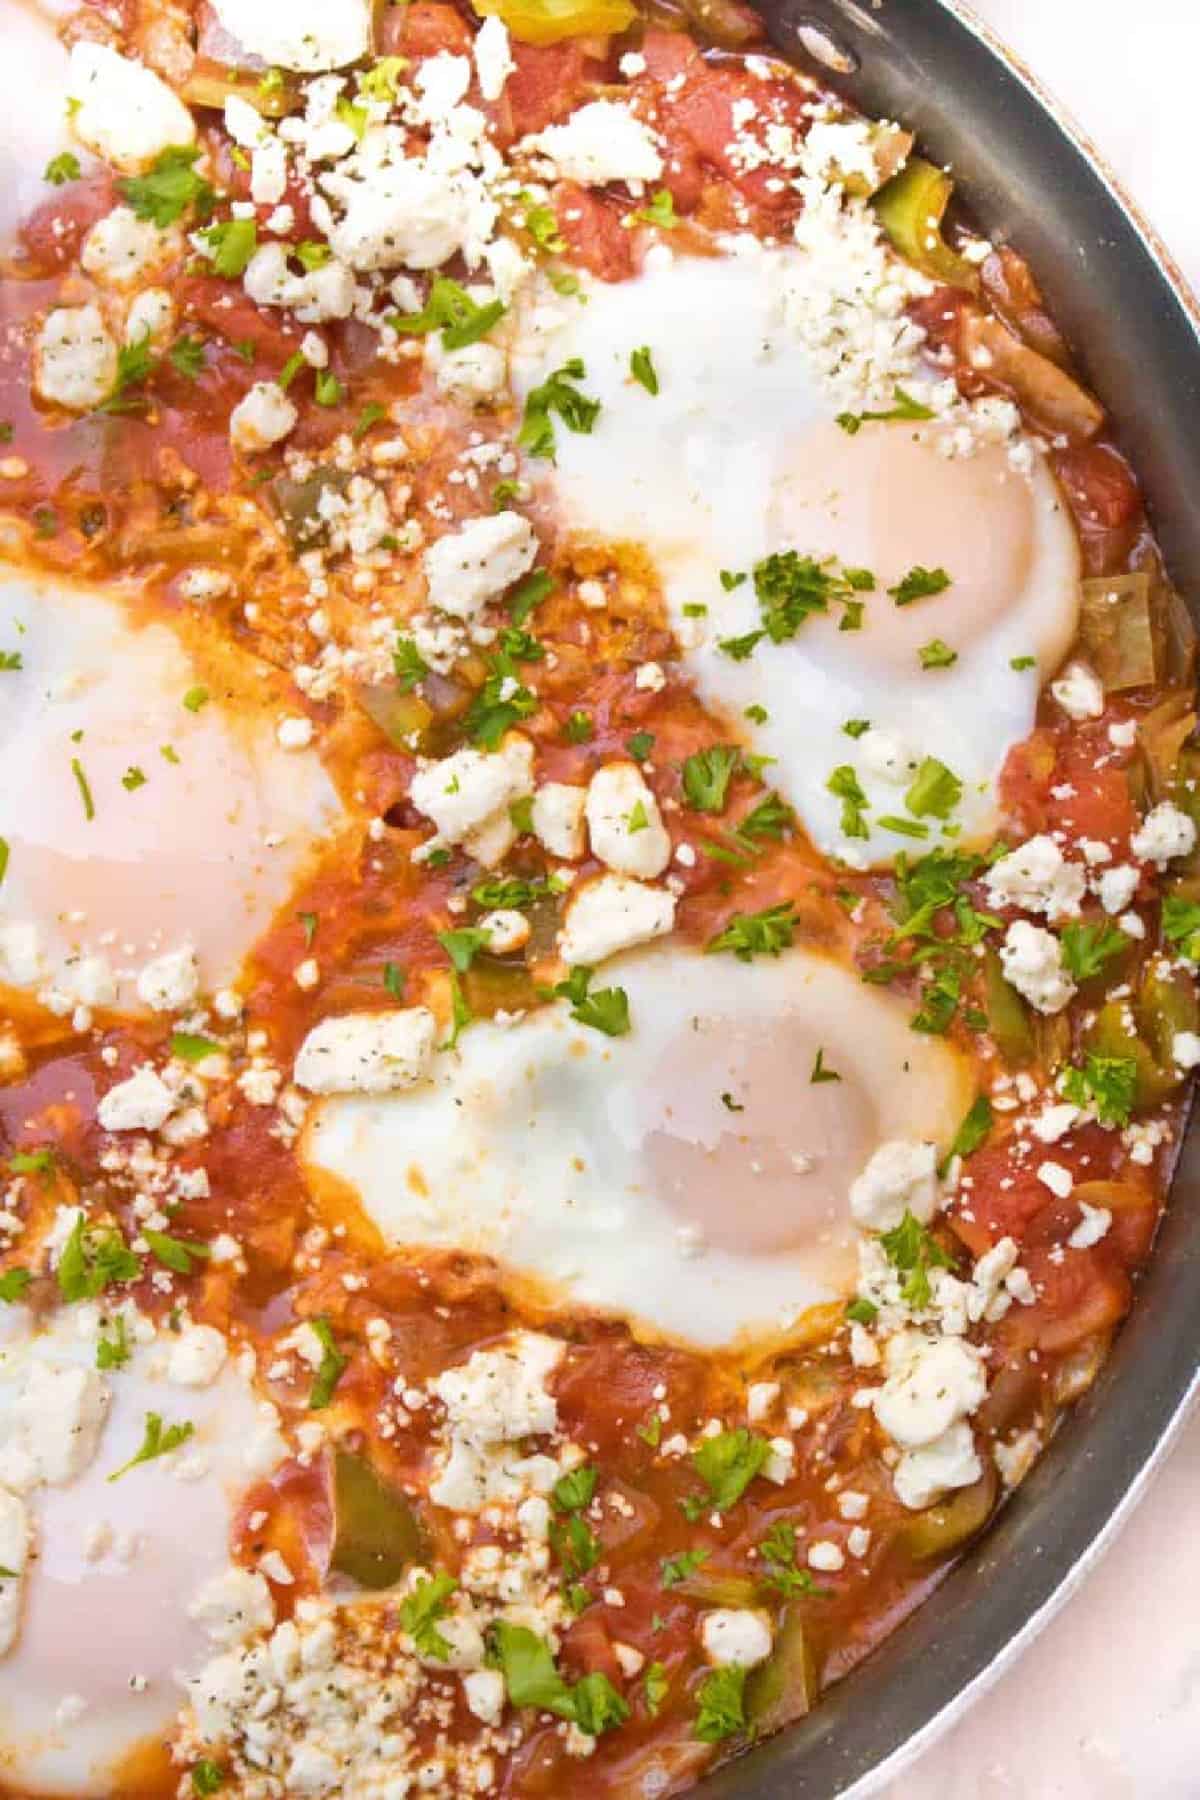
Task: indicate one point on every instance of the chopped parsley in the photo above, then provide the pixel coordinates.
(778, 1552)
(557, 396)
(394, 979)
(133, 779)
(935, 790)
(974, 1128)
(169, 187)
(208, 1777)
(575, 1490)
(195, 698)
(115, 1351)
(707, 774)
(904, 407)
(61, 169)
(327, 389)
(230, 245)
(410, 666)
(765, 933)
(186, 355)
(579, 728)
(1022, 662)
(727, 1464)
(529, 594)
(1109, 1083)
(13, 1284)
(421, 1611)
(660, 211)
(308, 924)
(331, 1368)
(94, 1258)
(640, 745)
(937, 655)
(1087, 948)
(862, 1311)
(175, 1253)
(157, 1440)
(606, 1010)
(919, 584)
(531, 1679)
(541, 222)
(655, 1687)
(913, 1251)
(641, 367)
(463, 946)
(722, 1697)
(1181, 925)
(370, 415)
(820, 1072)
(845, 786)
(675, 1569)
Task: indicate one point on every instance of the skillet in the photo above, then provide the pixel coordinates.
(1030, 178)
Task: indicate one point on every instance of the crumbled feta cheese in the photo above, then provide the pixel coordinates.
(1117, 886)
(14, 1551)
(884, 756)
(493, 1400)
(74, 359)
(314, 296)
(1079, 691)
(760, 1398)
(124, 111)
(1185, 1049)
(470, 792)
(171, 982)
(261, 418)
(121, 248)
(900, 1177)
(295, 733)
(613, 913)
(196, 1357)
(151, 316)
(483, 1691)
(306, 35)
(1164, 834)
(143, 1102)
(932, 1382)
(624, 824)
(1057, 1177)
(1032, 961)
(1037, 878)
(950, 1461)
(826, 1556)
(558, 819)
(367, 1053)
(467, 568)
(233, 1605)
(1093, 1225)
(507, 929)
(600, 142)
(474, 373)
(54, 1425)
(397, 210)
(493, 57)
(736, 1637)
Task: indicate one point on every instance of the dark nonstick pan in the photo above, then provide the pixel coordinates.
(1031, 180)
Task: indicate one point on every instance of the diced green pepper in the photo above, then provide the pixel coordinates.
(376, 1533)
(911, 208)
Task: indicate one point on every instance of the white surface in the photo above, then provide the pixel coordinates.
(1106, 1704)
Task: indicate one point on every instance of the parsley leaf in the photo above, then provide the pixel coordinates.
(974, 1129)
(531, 1679)
(936, 790)
(757, 934)
(722, 1697)
(660, 211)
(230, 245)
(208, 1777)
(187, 356)
(905, 407)
(557, 395)
(606, 1010)
(573, 1491)
(1087, 948)
(575, 1544)
(778, 1551)
(1181, 925)
(175, 1253)
(1109, 1083)
(169, 187)
(707, 774)
(463, 946)
(450, 310)
(676, 1569)
(94, 1258)
(641, 367)
(727, 1463)
(62, 168)
(420, 1612)
(919, 584)
(845, 786)
(157, 1441)
(13, 1284)
(409, 664)
(913, 1251)
(114, 1352)
(819, 1071)
(937, 655)
(331, 1369)
(655, 1687)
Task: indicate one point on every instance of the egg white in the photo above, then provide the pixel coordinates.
(97, 1630)
(689, 1176)
(738, 456)
(202, 853)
